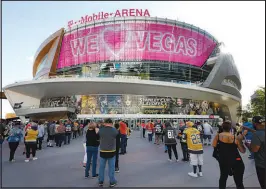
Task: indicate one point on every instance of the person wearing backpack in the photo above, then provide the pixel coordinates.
(226, 152)
(68, 132)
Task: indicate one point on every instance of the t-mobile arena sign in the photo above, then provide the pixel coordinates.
(105, 15)
(135, 42)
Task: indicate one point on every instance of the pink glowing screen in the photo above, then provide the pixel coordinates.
(135, 42)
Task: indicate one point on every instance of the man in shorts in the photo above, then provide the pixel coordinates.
(207, 133)
(195, 149)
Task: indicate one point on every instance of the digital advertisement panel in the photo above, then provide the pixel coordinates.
(135, 41)
(133, 104)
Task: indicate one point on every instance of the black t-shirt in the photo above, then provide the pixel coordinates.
(92, 139)
(170, 135)
(158, 128)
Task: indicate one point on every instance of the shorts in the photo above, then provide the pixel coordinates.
(207, 137)
(196, 159)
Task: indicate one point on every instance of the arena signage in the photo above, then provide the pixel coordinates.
(133, 42)
(105, 15)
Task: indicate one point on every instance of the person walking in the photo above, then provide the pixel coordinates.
(41, 134)
(56, 136)
(52, 134)
(143, 128)
(128, 135)
(183, 142)
(108, 136)
(123, 135)
(84, 143)
(26, 128)
(60, 130)
(92, 144)
(258, 148)
(195, 149)
(75, 129)
(207, 128)
(15, 136)
(118, 142)
(2, 131)
(149, 128)
(248, 136)
(201, 130)
(226, 151)
(31, 142)
(68, 133)
(48, 132)
(170, 140)
(158, 132)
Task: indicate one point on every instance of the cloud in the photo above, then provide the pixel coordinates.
(30, 59)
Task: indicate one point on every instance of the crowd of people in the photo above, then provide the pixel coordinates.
(227, 143)
(109, 139)
(33, 134)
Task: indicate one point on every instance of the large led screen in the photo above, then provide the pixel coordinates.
(133, 42)
(133, 104)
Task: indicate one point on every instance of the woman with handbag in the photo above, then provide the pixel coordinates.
(226, 151)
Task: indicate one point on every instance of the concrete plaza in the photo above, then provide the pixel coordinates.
(145, 165)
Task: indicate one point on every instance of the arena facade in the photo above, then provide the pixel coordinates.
(133, 67)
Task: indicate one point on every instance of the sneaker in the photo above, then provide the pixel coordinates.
(27, 160)
(205, 144)
(117, 170)
(170, 160)
(112, 185)
(200, 174)
(192, 174)
(209, 144)
(100, 184)
(165, 151)
(177, 160)
(95, 176)
(35, 158)
(13, 160)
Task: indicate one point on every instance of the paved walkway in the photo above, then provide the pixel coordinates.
(145, 165)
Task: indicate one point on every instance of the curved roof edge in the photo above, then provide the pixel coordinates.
(141, 18)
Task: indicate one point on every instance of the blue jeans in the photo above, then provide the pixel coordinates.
(123, 143)
(165, 148)
(150, 137)
(111, 169)
(92, 152)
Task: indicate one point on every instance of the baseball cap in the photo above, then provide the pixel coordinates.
(258, 119)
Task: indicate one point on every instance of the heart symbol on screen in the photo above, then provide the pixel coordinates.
(115, 39)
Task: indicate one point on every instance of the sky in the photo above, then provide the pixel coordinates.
(239, 25)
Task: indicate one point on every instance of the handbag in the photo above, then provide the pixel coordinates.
(215, 153)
